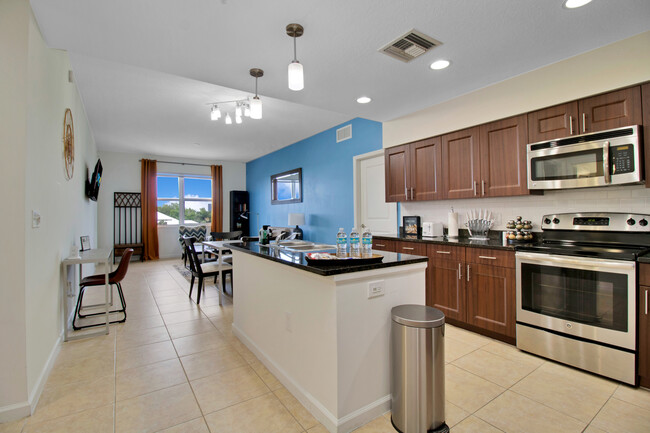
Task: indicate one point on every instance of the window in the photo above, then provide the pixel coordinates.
(184, 199)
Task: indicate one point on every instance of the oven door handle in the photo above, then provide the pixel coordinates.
(581, 263)
(606, 173)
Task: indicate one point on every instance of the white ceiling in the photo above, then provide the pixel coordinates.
(147, 68)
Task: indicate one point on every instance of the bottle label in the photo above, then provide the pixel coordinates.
(354, 240)
(341, 241)
(366, 241)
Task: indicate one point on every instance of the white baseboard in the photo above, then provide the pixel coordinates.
(37, 390)
(330, 422)
(15, 412)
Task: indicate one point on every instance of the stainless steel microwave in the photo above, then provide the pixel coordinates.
(604, 158)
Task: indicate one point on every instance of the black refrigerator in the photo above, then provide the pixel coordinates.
(239, 212)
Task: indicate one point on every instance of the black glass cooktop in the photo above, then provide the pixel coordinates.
(610, 252)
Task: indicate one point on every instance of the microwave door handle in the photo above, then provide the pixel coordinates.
(608, 176)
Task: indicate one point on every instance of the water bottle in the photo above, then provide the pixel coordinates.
(354, 243)
(341, 243)
(366, 243)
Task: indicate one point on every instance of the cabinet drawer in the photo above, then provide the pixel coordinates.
(448, 252)
(644, 274)
(415, 248)
(383, 245)
(488, 256)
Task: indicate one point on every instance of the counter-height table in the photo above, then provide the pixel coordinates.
(324, 330)
(97, 255)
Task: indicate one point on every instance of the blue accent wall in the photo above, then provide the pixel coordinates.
(327, 180)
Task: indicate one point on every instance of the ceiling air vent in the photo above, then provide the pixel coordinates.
(409, 46)
(344, 133)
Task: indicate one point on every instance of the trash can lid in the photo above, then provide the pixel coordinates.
(418, 316)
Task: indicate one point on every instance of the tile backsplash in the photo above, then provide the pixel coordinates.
(634, 198)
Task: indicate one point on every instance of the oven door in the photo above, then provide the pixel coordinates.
(584, 298)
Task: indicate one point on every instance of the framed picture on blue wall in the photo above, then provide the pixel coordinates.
(286, 187)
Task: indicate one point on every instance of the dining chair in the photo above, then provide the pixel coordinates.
(203, 270)
(225, 236)
(114, 278)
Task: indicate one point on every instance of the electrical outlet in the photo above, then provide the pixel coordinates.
(376, 288)
(36, 219)
(288, 321)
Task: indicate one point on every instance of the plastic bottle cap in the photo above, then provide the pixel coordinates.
(341, 229)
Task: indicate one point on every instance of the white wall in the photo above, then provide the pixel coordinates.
(35, 93)
(14, 18)
(122, 174)
(617, 65)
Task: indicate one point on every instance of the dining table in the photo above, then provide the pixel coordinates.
(220, 248)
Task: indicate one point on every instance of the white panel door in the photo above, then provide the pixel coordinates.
(370, 204)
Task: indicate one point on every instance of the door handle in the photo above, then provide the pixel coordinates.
(570, 125)
(482, 187)
(467, 272)
(460, 274)
(584, 122)
(408, 248)
(487, 257)
(608, 176)
(406, 192)
(474, 187)
(411, 193)
(380, 245)
(646, 302)
(443, 252)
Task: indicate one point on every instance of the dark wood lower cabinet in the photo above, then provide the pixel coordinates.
(446, 288)
(491, 298)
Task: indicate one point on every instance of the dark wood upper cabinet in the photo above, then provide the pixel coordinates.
(413, 171)
(461, 168)
(553, 122)
(426, 165)
(503, 157)
(610, 110)
(397, 162)
(645, 98)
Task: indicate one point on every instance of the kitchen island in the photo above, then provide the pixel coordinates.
(323, 331)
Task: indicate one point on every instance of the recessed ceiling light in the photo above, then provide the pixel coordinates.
(363, 100)
(439, 64)
(572, 4)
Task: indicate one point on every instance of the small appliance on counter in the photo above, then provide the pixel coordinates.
(432, 230)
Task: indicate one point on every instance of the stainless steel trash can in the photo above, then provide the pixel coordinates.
(418, 369)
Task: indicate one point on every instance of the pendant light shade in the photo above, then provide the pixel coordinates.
(296, 76)
(256, 108)
(237, 119)
(215, 113)
(228, 119)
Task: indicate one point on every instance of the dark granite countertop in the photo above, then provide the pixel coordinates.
(644, 259)
(297, 260)
(462, 241)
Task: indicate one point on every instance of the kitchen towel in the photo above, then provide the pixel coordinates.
(452, 224)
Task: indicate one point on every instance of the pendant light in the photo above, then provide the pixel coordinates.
(215, 113)
(256, 104)
(228, 119)
(296, 76)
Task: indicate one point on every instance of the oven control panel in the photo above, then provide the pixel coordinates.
(593, 221)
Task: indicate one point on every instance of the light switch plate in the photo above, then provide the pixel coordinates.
(36, 219)
(376, 288)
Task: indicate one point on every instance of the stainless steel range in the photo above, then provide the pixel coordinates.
(576, 291)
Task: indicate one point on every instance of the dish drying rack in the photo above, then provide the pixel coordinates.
(479, 222)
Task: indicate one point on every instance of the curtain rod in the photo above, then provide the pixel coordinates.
(182, 163)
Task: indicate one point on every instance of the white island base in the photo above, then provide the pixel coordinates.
(324, 339)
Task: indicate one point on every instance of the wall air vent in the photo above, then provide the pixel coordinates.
(344, 133)
(409, 46)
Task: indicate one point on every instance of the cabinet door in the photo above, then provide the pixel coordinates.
(503, 157)
(645, 97)
(644, 335)
(397, 161)
(446, 288)
(611, 110)
(461, 163)
(426, 165)
(553, 122)
(491, 298)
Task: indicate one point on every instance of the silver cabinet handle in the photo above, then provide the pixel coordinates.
(380, 245)
(608, 176)
(443, 252)
(646, 302)
(467, 272)
(584, 122)
(474, 187)
(482, 187)
(408, 248)
(487, 257)
(411, 193)
(570, 125)
(406, 192)
(460, 273)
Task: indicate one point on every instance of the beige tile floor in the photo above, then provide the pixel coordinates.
(176, 367)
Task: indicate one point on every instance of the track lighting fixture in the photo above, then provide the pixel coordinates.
(243, 107)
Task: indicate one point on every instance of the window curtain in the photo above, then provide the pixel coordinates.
(217, 199)
(149, 191)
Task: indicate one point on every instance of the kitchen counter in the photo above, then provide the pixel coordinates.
(324, 332)
(298, 260)
(644, 259)
(462, 241)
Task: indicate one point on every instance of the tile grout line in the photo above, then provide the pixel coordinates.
(601, 408)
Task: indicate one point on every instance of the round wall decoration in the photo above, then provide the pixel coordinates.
(68, 144)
